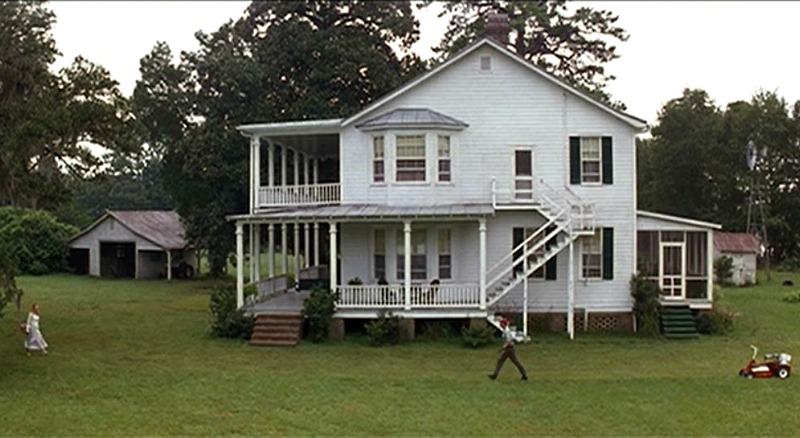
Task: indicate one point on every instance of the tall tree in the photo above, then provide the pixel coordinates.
(49, 119)
(282, 61)
(574, 46)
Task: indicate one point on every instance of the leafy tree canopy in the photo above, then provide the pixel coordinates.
(574, 46)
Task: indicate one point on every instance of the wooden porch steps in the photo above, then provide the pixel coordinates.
(277, 330)
(677, 322)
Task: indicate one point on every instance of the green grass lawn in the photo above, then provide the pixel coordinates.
(133, 358)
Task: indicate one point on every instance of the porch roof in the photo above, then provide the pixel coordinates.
(303, 127)
(412, 118)
(677, 220)
(362, 212)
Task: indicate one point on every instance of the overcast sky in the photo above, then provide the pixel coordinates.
(730, 49)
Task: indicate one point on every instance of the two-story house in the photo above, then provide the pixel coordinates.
(483, 185)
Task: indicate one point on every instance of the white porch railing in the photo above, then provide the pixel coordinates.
(296, 196)
(422, 296)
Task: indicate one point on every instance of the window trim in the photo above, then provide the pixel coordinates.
(374, 160)
(397, 158)
(599, 235)
(514, 149)
(599, 181)
(438, 136)
(449, 253)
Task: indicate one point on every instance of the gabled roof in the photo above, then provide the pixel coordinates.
(740, 243)
(412, 118)
(162, 228)
(635, 122)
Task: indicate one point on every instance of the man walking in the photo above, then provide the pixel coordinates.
(507, 352)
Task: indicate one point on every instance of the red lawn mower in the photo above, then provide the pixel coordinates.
(774, 365)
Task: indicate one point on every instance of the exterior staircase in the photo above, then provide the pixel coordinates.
(677, 322)
(567, 217)
(277, 330)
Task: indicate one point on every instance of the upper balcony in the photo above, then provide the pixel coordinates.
(299, 196)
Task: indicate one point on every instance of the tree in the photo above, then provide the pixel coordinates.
(573, 46)
(49, 119)
(281, 61)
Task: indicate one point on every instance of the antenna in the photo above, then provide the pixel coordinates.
(756, 221)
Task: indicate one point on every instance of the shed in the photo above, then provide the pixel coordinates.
(744, 249)
(133, 244)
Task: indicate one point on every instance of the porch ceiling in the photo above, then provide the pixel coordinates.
(361, 213)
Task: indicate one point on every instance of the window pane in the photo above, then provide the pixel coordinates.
(445, 270)
(380, 266)
(647, 249)
(411, 146)
(444, 241)
(522, 163)
(444, 146)
(444, 170)
(590, 148)
(696, 253)
(380, 241)
(591, 257)
(377, 148)
(378, 172)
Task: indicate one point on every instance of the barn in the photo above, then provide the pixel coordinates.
(744, 249)
(133, 244)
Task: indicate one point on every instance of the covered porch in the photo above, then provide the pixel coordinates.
(367, 280)
(676, 254)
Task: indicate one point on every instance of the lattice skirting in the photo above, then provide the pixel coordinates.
(597, 322)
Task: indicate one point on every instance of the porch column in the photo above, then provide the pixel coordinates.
(525, 296)
(710, 265)
(571, 292)
(257, 252)
(251, 190)
(256, 171)
(284, 254)
(306, 163)
(271, 249)
(407, 262)
(316, 243)
(332, 264)
(270, 164)
(239, 266)
(169, 265)
(316, 170)
(306, 243)
(284, 152)
(482, 261)
(251, 251)
(296, 229)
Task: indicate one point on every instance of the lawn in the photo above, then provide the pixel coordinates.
(133, 358)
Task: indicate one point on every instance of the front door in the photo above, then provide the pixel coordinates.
(672, 265)
(523, 174)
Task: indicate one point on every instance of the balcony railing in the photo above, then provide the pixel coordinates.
(299, 196)
(421, 296)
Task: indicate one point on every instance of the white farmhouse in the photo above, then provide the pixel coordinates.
(477, 187)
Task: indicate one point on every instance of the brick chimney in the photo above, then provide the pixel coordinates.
(497, 28)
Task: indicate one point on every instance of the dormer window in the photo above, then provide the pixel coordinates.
(410, 165)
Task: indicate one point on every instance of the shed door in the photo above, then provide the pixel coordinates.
(672, 267)
(117, 259)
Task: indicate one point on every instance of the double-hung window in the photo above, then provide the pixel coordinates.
(590, 160)
(378, 167)
(379, 259)
(410, 165)
(444, 158)
(419, 257)
(445, 255)
(592, 256)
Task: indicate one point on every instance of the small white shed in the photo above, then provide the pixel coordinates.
(744, 249)
(133, 244)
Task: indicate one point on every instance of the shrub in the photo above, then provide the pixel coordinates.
(646, 306)
(384, 330)
(715, 322)
(437, 330)
(792, 297)
(318, 308)
(226, 320)
(8, 271)
(477, 335)
(355, 281)
(723, 269)
(37, 238)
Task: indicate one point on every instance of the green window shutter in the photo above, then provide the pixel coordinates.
(608, 253)
(517, 237)
(608, 163)
(551, 266)
(574, 160)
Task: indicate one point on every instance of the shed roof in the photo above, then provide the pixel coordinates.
(163, 228)
(739, 243)
(359, 212)
(412, 118)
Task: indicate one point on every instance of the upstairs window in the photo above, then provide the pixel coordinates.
(378, 168)
(444, 158)
(590, 160)
(419, 255)
(410, 158)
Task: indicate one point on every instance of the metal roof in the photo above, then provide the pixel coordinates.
(370, 212)
(737, 243)
(163, 228)
(412, 118)
(302, 127)
(678, 220)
